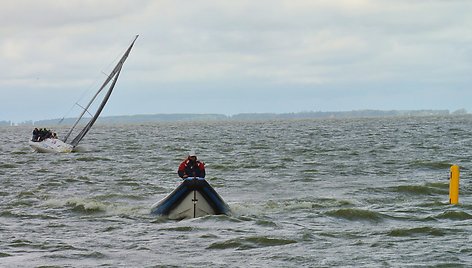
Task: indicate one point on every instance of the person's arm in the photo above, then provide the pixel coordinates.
(202, 169)
(181, 170)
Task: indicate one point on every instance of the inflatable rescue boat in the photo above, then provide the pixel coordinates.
(193, 198)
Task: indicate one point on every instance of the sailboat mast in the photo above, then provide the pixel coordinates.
(113, 74)
(89, 125)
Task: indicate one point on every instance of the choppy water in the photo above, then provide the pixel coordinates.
(310, 193)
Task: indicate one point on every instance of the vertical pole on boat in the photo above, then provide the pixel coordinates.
(454, 185)
(194, 203)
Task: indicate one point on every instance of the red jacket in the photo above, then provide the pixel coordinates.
(191, 169)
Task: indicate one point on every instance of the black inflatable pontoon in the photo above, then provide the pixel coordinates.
(194, 197)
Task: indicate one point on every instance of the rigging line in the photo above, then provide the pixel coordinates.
(84, 131)
(113, 76)
(86, 92)
(83, 108)
(94, 84)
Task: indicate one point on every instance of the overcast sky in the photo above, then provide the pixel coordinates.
(232, 57)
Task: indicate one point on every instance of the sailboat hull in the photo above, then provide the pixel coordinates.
(193, 198)
(51, 146)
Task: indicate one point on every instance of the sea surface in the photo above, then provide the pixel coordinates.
(368, 192)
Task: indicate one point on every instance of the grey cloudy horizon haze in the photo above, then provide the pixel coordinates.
(231, 57)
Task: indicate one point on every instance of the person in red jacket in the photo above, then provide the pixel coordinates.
(191, 167)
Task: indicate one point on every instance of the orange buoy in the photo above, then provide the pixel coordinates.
(454, 185)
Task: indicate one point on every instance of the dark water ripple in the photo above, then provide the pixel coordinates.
(307, 193)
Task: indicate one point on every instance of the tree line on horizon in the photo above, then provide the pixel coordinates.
(148, 118)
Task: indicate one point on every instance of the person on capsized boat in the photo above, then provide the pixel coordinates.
(35, 134)
(41, 134)
(191, 167)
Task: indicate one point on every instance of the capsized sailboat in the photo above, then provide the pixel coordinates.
(53, 145)
(193, 198)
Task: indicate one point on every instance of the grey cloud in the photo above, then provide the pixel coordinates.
(314, 49)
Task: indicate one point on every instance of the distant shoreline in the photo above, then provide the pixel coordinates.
(149, 118)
